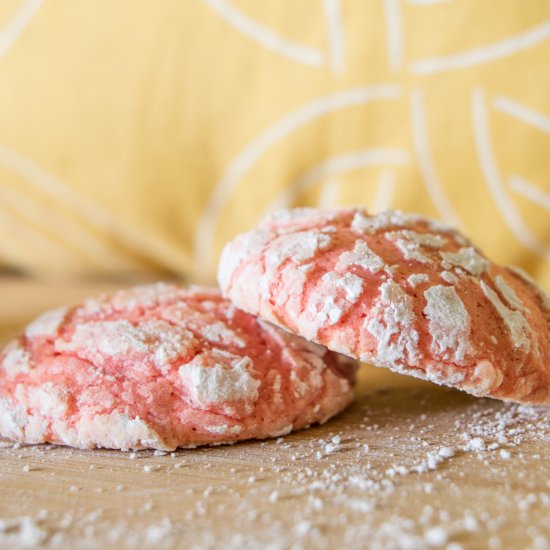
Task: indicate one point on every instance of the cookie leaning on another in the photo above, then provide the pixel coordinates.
(399, 291)
(161, 367)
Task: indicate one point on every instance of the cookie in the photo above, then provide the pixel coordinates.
(398, 291)
(163, 367)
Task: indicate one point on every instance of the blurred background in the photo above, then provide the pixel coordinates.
(137, 137)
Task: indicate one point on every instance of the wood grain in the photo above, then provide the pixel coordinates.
(350, 483)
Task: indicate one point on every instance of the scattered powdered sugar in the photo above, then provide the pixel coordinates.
(449, 322)
(361, 256)
(520, 332)
(436, 536)
(22, 532)
(432, 460)
(158, 532)
(410, 490)
(475, 444)
(446, 452)
(391, 322)
(466, 258)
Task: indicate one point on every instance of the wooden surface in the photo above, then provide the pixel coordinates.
(379, 475)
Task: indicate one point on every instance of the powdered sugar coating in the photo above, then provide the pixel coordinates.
(215, 379)
(509, 295)
(327, 307)
(47, 324)
(410, 243)
(449, 277)
(520, 332)
(543, 297)
(449, 322)
(391, 322)
(362, 256)
(16, 359)
(417, 278)
(164, 366)
(424, 300)
(467, 259)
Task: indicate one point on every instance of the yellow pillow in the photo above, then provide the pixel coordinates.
(142, 135)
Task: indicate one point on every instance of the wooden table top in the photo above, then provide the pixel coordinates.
(409, 465)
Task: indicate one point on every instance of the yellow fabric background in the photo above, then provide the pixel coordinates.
(139, 135)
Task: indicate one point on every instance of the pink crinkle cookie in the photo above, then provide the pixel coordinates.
(162, 367)
(399, 291)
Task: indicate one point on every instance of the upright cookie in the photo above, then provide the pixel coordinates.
(162, 367)
(399, 291)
